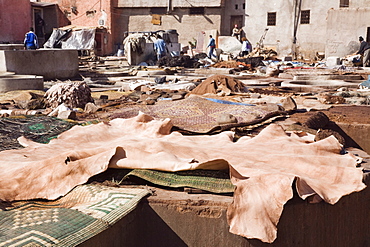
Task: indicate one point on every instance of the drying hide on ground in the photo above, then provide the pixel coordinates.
(262, 168)
(220, 84)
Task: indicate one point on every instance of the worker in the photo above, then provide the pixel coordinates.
(30, 40)
(364, 51)
(160, 47)
(212, 46)
(236, 32)
(246, 47)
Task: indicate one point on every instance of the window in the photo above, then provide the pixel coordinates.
(344, 3)
(243, 5)
(196, 11)
(158, 11)
(271, 19)
(90, 13)
(305, 17)
(236, 6)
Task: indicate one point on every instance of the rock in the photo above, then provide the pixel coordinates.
(32, 104)
(324, 133)
(67, 115)
(289, 104)
(226, 118)
(91, 108)
(317, 121)
(177, 96)
(255, 95)
(149, 102)
(332, 99)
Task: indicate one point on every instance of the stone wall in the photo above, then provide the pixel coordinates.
(343, 29)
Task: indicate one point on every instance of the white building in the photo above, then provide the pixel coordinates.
(305, 27)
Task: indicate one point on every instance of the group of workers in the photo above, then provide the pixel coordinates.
(236, 32)
(160, 48)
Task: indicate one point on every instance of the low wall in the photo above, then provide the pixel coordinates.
(172, 218)
(51, 63)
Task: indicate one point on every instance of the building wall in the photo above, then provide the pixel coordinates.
(233, 8)
(15, 20)
(344, 27)
(359, 3)
(165, 3)
(187, 26)
(88, 13)
(310, 37)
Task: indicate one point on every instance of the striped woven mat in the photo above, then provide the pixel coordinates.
(212, 181)
(83, 213)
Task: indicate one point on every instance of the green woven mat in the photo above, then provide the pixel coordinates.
(37, 128)
(212, 181)
(83, 213)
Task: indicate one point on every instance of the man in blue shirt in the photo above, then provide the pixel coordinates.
(212, 46)
(30, 41)
(160, 47)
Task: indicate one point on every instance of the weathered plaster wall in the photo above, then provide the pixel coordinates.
(165, 3)
(88, 13)
(343, 29)
(15, 20)
(232, 8)
(188, 26)
(310, 37)
(359, 3)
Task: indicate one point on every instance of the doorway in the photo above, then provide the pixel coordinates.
(39, 24)
(368, 35)
(236, 20)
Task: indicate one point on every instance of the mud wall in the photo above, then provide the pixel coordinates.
(343, 29)
(15, 20)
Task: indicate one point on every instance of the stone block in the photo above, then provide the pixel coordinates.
(332, 61)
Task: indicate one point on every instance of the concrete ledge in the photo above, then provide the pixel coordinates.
(9, 47)
(49, 63)
(20, 82)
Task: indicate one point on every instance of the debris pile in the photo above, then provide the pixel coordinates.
(72, 94)
(179, 61)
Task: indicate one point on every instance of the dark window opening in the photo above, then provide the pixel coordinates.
(271, 19)
(158, 11)
(90, 13)
(196, 11)
(368, 35)
(236, 6)
(243, 5)
(344, 3)
(305, 17)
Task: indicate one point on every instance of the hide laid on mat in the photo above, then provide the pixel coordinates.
(201, 115)
(263, 168)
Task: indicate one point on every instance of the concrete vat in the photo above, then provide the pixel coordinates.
(51, 63)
